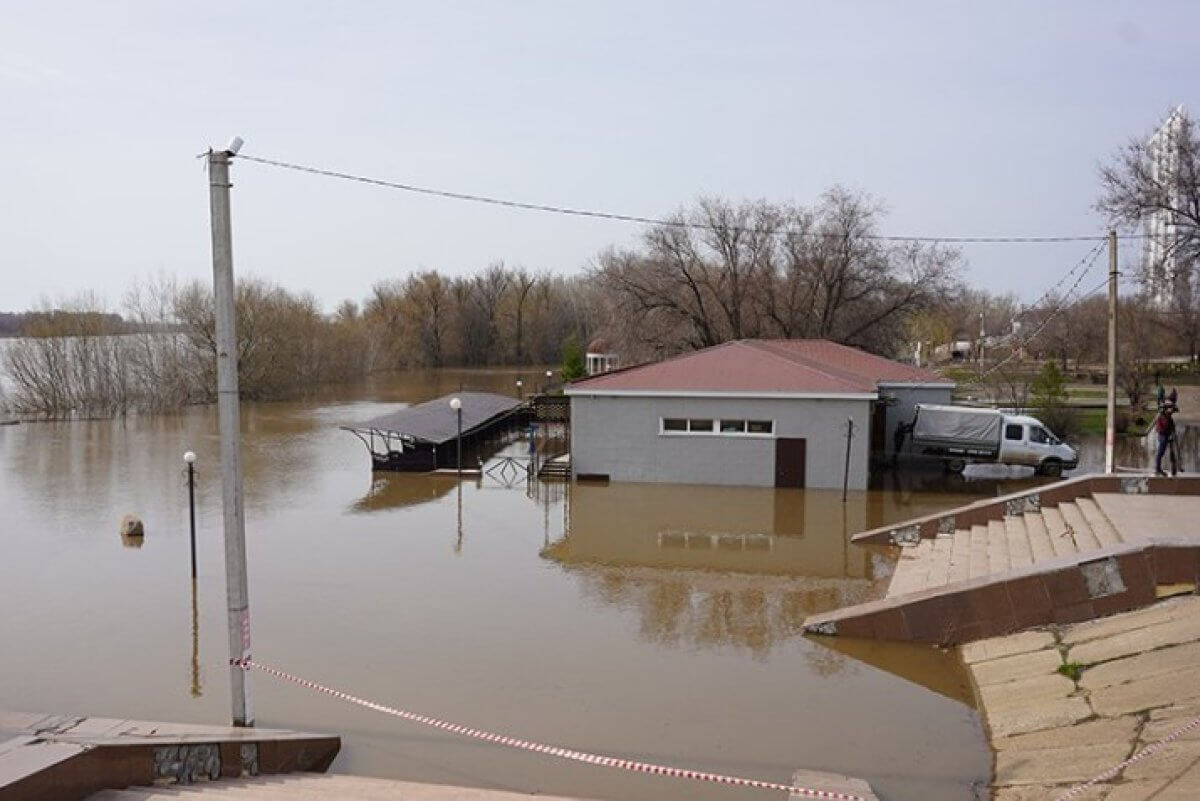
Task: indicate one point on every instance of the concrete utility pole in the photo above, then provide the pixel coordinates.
(1110, 433)
(236, 589)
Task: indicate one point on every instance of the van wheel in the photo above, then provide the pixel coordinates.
(1050, 467)
(956, 465)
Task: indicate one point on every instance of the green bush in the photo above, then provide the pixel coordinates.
(574, 366)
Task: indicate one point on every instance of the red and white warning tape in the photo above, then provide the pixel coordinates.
(1149, 750)
(551, 750)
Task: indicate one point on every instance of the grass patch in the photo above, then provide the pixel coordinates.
(1092, 421)
(1072, 670)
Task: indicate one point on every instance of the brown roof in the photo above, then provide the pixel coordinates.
(434, 421)
(815, 366)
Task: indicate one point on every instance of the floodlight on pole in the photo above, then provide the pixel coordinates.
(456, 405)
(189, 459)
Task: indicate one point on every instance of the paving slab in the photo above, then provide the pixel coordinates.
(1048, 792)
(1141, 666)
(1144, 685)
(1173, 632)
(1017, 666)
(834, 782)
(1185, 788)
(1075, 763)
(998, 647)
(1025, 692)
(1136, 791)
(1166, 721)
(1164, 689)
(1046, 713)
(1128, 621)
(1106, 730)
(1171, 762)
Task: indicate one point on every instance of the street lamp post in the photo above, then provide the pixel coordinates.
(190, 459)
(549, 379)
(456, 405)
(520, 393)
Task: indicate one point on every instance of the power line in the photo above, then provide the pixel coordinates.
(1062, 305)
(1089, 259)
(634, 218)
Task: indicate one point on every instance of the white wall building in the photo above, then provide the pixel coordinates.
(1166, 275)
(768, 413)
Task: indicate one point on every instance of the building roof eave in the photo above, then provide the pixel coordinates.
(717, 394)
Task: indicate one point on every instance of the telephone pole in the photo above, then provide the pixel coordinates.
(1110, 435)
(236, 589)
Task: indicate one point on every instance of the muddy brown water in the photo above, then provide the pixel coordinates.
(655, 622)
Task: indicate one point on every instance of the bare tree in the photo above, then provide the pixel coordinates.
(725, 272)
(1137, 183)
(1160, 175)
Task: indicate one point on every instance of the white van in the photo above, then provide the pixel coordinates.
(963, 434)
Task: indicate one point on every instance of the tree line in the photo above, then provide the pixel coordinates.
(715, 271)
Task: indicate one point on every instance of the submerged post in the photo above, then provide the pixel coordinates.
(846, 472)
(190, 459)
(1110, 426)
(236, 589)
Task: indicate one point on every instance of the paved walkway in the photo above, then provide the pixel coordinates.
(1138, 681)
(324, 787)
(69, 756)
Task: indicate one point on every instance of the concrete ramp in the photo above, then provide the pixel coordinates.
(358, 788)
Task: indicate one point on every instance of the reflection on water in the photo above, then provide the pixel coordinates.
(397, 490)
(733, 566)
(938, 669)
(195, 688)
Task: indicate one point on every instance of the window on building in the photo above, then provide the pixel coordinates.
(1038, 434)
(1014, 431)
(730, 426)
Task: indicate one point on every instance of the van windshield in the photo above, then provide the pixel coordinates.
(1041, 435)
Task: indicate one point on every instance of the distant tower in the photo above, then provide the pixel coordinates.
(600, 357)
(1163, 270)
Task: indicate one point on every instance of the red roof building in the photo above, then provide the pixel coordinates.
(781, 413)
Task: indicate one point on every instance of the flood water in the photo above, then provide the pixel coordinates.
(656, 622)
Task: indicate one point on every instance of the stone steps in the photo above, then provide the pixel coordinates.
(1001, 546)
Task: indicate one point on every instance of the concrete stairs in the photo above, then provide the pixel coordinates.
(1002, 546)
(556, 467)
(302, 787)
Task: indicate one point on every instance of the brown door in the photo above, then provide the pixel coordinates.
(789, 462)
(878, 428)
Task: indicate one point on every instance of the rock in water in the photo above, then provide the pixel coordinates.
(131, 526)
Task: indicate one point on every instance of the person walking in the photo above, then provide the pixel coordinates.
(1164, 426)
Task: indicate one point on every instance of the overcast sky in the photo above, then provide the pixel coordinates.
(964, 118)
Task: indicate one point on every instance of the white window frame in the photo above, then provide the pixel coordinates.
(716, 429)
